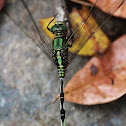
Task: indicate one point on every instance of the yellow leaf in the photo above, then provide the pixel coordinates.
(99, 41)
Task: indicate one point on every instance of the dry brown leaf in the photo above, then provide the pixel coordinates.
(121, 12)
(91, 86)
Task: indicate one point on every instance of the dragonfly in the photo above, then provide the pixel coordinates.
(59, 50)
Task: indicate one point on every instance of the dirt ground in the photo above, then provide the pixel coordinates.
(29, 81)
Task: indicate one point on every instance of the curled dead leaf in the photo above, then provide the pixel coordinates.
(92, 86)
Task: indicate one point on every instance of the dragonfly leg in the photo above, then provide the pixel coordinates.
(70, 32)
(51, 22)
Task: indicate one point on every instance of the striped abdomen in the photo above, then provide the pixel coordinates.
(60, 56)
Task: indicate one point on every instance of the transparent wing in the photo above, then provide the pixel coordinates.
(26, 15)
(91, 29)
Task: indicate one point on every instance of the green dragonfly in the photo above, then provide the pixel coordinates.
(58, 51)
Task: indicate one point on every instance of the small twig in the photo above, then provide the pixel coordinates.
(82, 2)
(59, 8)
(40, 121)
(58, 96)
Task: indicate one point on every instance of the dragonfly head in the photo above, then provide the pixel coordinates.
(59, 27)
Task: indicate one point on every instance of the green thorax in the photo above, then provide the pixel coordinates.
(59, 29)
